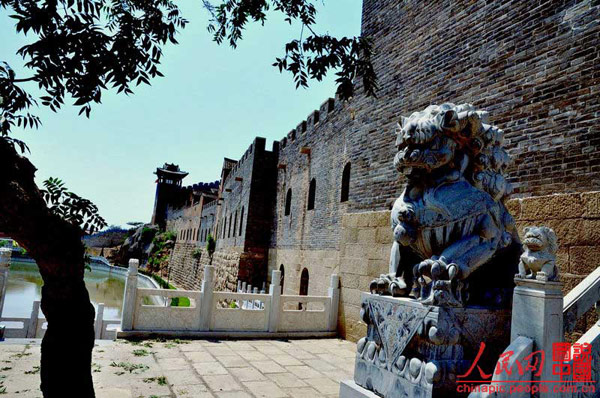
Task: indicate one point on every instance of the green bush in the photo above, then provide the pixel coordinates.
(197, 254)
(211, 245)
(148, 234)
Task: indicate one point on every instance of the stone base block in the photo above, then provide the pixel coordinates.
(349, 389)
(416, 350)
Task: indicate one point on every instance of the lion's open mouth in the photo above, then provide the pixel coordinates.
(533, 241)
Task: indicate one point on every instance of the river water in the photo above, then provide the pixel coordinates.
(25, 284)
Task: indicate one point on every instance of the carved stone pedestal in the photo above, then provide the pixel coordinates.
(416, 350)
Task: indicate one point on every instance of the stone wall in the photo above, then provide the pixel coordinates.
(186, 272)
(235, 196)
(364, 254)
(533, 68)
(317, 149)
(576, 220)
(319, 263)
(366, 239)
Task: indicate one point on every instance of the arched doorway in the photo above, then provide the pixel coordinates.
(282, 279)
(303, 286)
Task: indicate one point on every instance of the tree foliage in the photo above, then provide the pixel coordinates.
(72, 207)
(81, 48)
(211, 245)
(311, 56)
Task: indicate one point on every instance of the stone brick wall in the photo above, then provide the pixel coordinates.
(242, 231)
(534, 68)
(366, 239)
(317, 149)
(364, 254)
(187, 272)
(208, 222)
(576, 220)
(235, 196)
(246, 210)
(319, 263)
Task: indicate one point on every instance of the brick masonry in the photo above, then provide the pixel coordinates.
(186, 272)
(534, 68)
(366, 240)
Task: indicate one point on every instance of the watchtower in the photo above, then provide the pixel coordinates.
(168, 183)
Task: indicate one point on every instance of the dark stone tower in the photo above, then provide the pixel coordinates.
(168, 183)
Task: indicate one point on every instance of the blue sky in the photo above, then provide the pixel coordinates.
(211, 103)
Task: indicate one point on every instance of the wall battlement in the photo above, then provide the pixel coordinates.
(309, 126)
(295, 208)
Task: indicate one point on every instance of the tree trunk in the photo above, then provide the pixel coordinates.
(56, 247)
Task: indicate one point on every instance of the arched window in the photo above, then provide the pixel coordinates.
(288, 202)
(304, 283)
(311, 194)
(235, 224)
(282, 279)
(229, 229)
(241, 221)
(345, 183)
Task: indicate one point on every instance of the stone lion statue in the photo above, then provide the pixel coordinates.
(450, 220)
(539, 257)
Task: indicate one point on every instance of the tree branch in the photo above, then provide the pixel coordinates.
(23, 80)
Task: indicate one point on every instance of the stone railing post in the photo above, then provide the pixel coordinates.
(5, 254)
(275, 308)
(537, 313)
(243, 302)
(33, 320)
(99, 321)
(130, 296)
(206, 303)
(334, 293)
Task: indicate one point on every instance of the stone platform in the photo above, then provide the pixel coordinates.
(310, 368)
(349, 389)
(416, 350)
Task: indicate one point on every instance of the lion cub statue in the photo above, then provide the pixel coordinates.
(539, 257)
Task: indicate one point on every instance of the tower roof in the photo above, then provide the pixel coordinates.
(170, 171)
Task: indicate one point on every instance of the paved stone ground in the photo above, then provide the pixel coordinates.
(196, 368)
